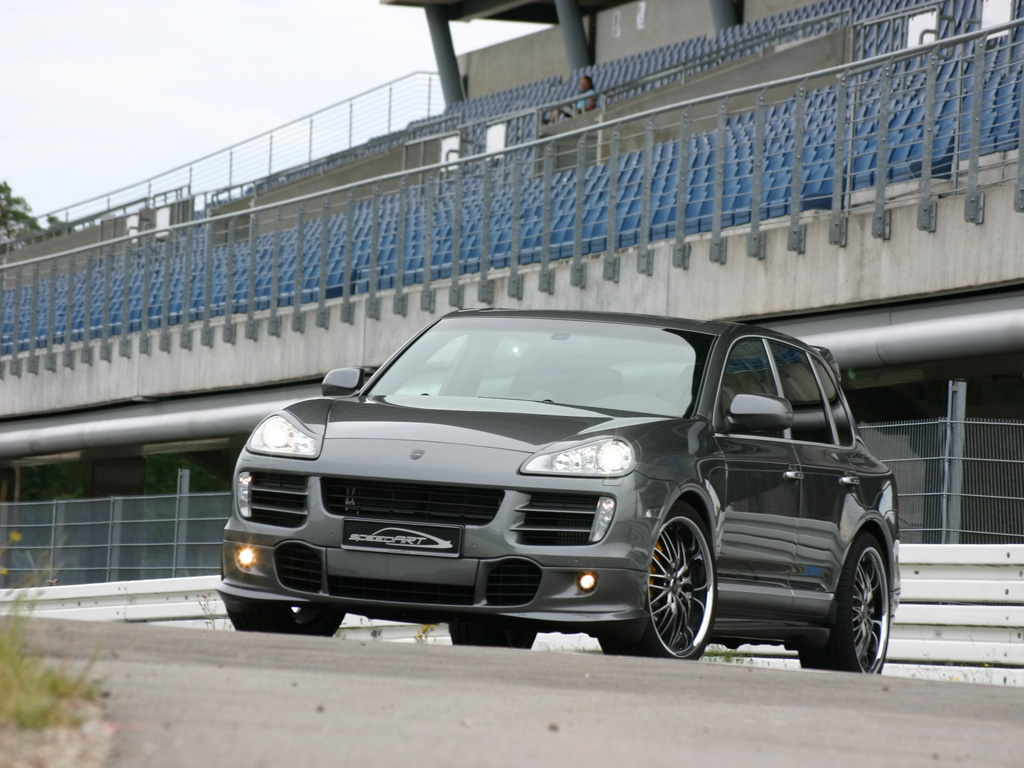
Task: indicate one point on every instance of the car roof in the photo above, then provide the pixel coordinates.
(715, 327)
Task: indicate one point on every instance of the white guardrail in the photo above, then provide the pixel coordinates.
(961, 615)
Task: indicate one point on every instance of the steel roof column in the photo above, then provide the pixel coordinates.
(571, 21)
(723, 13)
(444, 53)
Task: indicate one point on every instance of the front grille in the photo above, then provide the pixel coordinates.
(278, 499)
(513, 582)
(557, 519)
(299, 567)
(455, 505)
(399, 591)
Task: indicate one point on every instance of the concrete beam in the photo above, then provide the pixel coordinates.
(570, 20)
(444, 54)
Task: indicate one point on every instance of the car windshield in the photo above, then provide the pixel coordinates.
(595, 365)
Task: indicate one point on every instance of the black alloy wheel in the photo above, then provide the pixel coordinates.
(682, 593)
(860, 636)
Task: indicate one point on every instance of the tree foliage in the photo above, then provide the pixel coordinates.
(15, 215)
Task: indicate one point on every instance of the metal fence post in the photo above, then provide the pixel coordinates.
(400, 302)
(837, 221)
(756, 240)
(372, 300)
(956, 415)
(298, 317)
(717, 248)
(251, 328)
(546, 282)
(578, 273)
(323, 315)
(974, 205)
(181, 513)
(515, 280)
(645, 254)
(927, 209)
(681, 252)
(611, 258)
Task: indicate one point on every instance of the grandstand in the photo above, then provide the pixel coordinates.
(845, 170)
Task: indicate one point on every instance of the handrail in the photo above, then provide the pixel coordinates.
(845, 70)
(62, 213)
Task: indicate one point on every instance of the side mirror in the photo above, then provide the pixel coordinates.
(759, 413)
(342, 382)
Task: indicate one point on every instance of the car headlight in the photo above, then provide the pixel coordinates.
(607, 457)
(279, 436)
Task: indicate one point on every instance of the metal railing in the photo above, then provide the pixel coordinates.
(231, 172)
(793, 149)
(959, 482)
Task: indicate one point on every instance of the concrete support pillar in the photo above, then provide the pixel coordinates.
(570, 20)
(723, 13)
(444, 54)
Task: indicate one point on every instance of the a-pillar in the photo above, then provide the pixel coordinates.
(444, 53)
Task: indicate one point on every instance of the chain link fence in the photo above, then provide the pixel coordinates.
(960, 482)
(952, 491)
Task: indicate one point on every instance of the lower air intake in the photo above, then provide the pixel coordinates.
(299, 567)
(513, 582)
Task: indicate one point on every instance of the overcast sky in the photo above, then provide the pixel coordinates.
(99, 94)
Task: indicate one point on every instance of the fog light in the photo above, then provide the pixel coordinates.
(586, 582)
(246, 557)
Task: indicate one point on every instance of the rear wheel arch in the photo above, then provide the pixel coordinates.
(877, 531)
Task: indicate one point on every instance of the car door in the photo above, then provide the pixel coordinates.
(760, 509)
(830, 463)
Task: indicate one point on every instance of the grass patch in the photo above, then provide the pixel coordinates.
(32, 694)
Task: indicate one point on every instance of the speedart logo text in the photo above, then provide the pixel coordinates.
(401, 537)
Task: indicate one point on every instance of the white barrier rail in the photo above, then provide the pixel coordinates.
(961, 614)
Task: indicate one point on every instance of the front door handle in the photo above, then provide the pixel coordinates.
(849, 480)
(793, 474)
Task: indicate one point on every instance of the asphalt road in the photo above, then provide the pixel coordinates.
(191, 698)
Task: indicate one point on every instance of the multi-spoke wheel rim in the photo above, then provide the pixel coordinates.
(870, 611)
(681, 586)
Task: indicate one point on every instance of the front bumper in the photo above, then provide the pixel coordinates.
(510, 589)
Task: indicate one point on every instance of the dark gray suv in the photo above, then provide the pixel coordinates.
(658, 483)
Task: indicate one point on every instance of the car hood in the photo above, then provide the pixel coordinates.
(518, 425)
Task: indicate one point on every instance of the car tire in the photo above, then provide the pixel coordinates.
(682, 592)
(284, 619)
(468, 633)
(860, 636)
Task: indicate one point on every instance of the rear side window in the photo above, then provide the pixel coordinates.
(840, 414)
(811, 422)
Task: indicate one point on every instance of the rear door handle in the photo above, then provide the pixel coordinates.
(849, 480)
(793, 474)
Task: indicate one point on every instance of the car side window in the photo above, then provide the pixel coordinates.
(747, 371)
(800, 386)
(840, 414)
